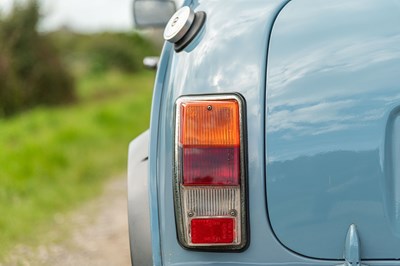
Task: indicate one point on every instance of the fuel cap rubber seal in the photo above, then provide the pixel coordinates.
(183, 27)
(199, 20)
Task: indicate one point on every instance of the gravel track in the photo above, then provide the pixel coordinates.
(99, 235)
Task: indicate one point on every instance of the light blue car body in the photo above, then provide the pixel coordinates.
(321, 81)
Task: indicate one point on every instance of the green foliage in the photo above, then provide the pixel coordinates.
(35, 67)
(31, 72)
(114, 53)
(102, 52)
(52, 159)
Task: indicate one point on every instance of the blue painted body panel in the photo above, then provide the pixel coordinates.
(230, 55)
(329, 95)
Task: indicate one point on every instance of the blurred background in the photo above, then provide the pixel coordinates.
(73, 94)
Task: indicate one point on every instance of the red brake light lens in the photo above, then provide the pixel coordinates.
(211, 166)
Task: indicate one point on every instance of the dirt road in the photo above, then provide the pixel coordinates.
(99, 235)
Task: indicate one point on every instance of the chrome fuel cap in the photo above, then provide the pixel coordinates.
(179, 24)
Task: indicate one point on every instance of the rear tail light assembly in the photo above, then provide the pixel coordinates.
(210, 175)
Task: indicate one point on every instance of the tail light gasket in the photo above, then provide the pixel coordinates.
(241, 211)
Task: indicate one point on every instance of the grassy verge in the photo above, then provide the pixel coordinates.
(53, 159)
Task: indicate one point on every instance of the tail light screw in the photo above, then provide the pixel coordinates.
(190, 214)
(233, 212)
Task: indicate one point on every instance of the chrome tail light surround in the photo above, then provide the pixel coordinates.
(211, 207)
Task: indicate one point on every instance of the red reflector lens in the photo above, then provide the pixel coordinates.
(213, 231)
(211, 166)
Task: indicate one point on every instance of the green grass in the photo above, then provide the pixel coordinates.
(52, 159)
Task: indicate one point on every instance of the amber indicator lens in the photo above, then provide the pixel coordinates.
(210, 123)
(213, 231)
(210, 143)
